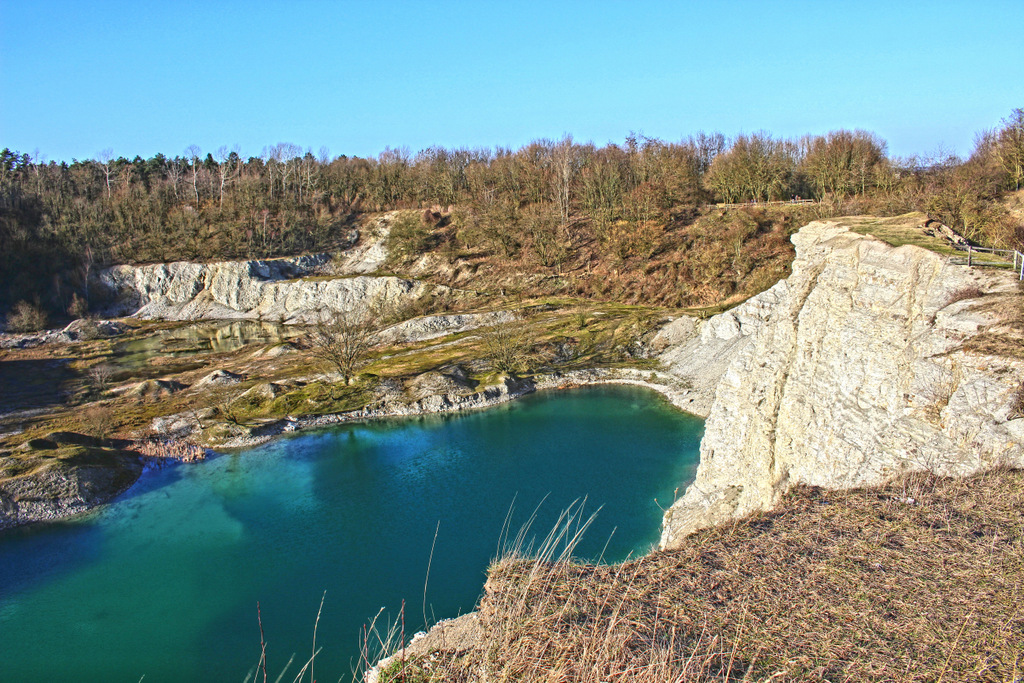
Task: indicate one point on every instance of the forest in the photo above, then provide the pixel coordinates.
(61, 221)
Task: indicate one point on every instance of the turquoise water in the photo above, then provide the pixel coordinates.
(164, 582)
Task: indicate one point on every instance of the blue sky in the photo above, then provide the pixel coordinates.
(156, 76)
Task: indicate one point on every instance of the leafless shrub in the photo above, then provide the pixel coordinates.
(508, 347)
(1017, 402)
(99, 421)
(231, 412)
(99, 377)
(26, 317)
(89, 330)
(170, 449)
(942, 392)
(78, 306)
(341, 342)
(581, 316)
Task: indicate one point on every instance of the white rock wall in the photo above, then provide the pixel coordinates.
(276, 289)
(698, 352)
(855, 375)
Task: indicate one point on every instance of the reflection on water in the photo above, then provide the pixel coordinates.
(199, 338)
(40, 383)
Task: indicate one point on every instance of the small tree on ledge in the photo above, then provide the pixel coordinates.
(341, 341)
(507, 345)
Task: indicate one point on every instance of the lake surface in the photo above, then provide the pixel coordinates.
(164, 582)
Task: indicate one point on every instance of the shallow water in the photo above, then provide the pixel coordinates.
(199, 338)
(164, 582)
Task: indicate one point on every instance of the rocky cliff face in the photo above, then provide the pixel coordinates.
(286, 289)
(856, 368)
(698, 352)
(293, 290)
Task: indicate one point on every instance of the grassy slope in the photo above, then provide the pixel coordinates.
(597, 333)
(920, 580)
(910, 229)
(719, 256)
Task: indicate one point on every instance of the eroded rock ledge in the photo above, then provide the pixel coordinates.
(857, 373)
(282, 290)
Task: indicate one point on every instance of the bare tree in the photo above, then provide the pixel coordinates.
(706, 147)
(267, 155)
(341, 342)
(193, 154)
(1010, 148)
(174, 173)
(757, 167)
(228, 166)
(99, 377)
(308, 173)
(38, 159)
(508, 345)
(842, 162)
(286, 154)
(104, 157)
(565, 161)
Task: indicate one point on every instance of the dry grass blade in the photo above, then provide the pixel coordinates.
(316, 624)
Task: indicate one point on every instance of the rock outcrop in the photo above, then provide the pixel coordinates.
(77, 330)
(434, 326)
(858, 367)
(282, 290)
(62, 480)
(698, 352)
(368, 252)
(293, 290)
(431, 393)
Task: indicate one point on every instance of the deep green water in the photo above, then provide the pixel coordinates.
(164, 582)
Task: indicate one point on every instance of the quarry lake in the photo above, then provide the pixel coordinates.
(163, 583)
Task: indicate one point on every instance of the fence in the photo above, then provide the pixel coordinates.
(783, 202)
(1002, 254)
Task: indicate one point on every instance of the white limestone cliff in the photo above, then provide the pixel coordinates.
(281, 290)
(295, 289)
(698, 352)
(853, 371)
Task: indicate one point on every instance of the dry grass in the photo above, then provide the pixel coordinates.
(965, 293)
(912, 228)
(1006, 337)
(1017, 402)
(921, 580)
(686, 259)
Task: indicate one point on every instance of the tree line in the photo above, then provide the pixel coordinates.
(59, 220)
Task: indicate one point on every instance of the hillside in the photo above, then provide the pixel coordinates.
(630, 222)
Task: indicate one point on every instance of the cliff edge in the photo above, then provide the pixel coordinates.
(869, 361)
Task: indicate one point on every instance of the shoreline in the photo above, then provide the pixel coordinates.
(678, 393)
